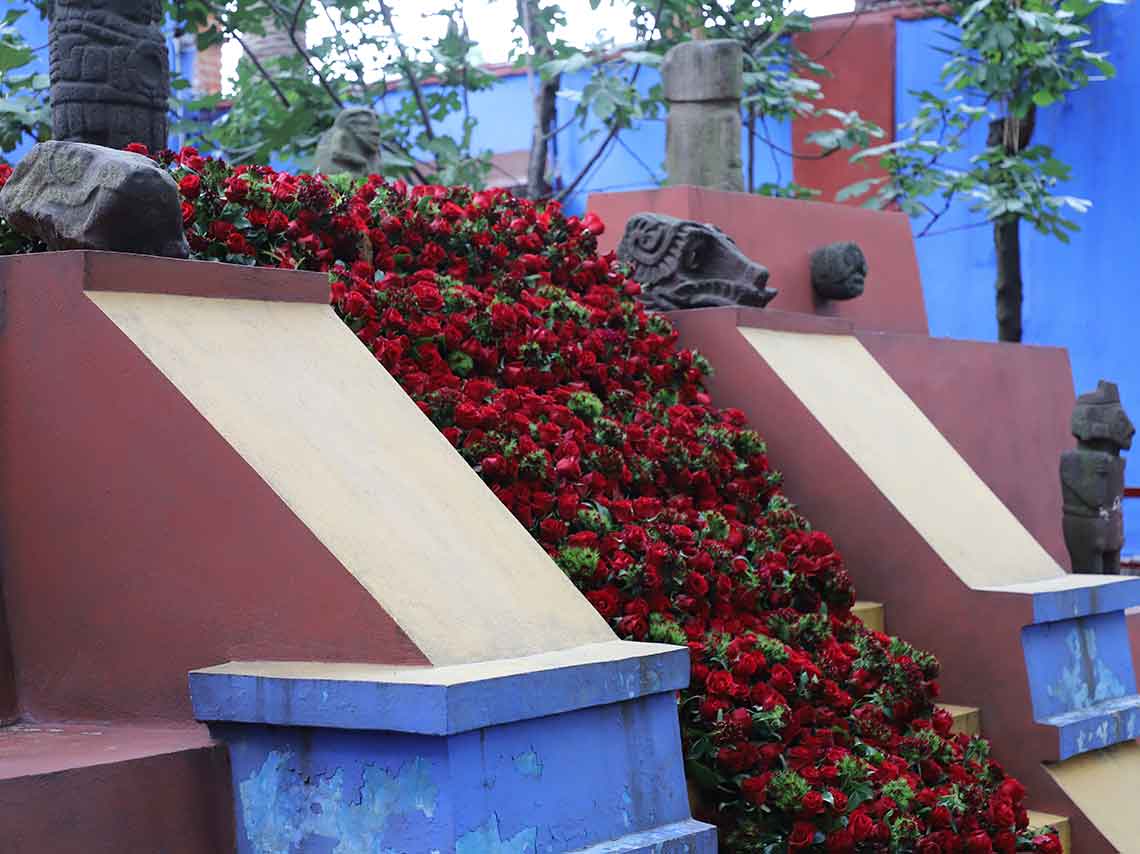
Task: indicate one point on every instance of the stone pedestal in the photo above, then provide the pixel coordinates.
(703, 84)
(571, 751)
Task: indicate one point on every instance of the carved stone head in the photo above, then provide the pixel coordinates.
(684, 264)
(1098, 418)
(351, 145)
(838, 271)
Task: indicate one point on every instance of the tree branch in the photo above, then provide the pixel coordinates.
(409, 74)
(291, 26)
(229, 30)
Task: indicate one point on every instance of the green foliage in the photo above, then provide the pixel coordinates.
(1007, 59)
(23, 93)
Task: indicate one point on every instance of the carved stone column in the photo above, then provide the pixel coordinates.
(110, 72)
(703, 83)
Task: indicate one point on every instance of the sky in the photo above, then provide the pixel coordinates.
(491, 24)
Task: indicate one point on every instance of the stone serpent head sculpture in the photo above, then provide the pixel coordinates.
(685, 264)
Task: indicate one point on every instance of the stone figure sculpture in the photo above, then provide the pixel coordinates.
(683, 264)
(703, 82)
(72, 195)
(110, 72)
(351, 145)
(838, 271)
(1092, 481)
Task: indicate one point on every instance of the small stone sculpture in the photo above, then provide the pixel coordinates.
(1092, 481)
(838, 271)
(351, 145)
(110, 72)
(703, 82)
(77, 196)
(683, 264)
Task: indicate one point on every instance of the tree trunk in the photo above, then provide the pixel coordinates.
(1007, 249)
(1014, 136)
(537, 187)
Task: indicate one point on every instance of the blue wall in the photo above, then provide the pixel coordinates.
(1080, 296)
(636, 161)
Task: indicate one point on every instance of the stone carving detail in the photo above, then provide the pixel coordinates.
(684, 264)
(838, 271)
(1092, 481)
(703, 82)
(110, 72)
(351, 145)
(72, 195)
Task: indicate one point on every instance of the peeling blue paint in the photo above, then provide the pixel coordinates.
(626, 807)
(282, 806)
(1085, 679)
(486, 839)
(528, 764)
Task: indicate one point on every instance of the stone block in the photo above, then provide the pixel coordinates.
(704, 71)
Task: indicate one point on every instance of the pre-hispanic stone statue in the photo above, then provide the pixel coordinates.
(110, 73)
(351, 145)
(1092, 481)
(703, 82)
(77, 196)
(838, 271)
(683, 264)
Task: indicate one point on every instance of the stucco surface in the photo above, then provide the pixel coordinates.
(1103, 785)
(319, 419)
(905, 456)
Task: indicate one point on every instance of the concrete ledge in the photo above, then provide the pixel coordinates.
(1070, 596)
(682, 837)
(436, 700)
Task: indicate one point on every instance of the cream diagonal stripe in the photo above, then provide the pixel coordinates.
(331, 432)
(905, 456)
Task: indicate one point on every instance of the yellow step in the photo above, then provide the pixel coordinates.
(1038, 820)
(967, 719)
(872, 614)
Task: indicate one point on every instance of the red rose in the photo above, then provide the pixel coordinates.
(552, 530)
(190, 186)
(1047, 844)
(720, 682)
(840, 841)
(862, 825)
(755, 789)
(812, 803)
(803, 834)
(782, 679)
(979, 842)
(138, 148)
(607, 601)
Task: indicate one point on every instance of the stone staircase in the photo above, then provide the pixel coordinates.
(967, 719)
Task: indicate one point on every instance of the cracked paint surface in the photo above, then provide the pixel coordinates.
(283, 806)
(528, 764)
(1085, 679)
(486, 839)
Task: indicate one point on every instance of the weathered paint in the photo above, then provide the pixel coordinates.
(549, 784)
(684, 837)
(1082, 681)
(293, 392)
(436, 700)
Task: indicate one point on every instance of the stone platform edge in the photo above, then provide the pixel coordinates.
(436, 701)
(149, 274)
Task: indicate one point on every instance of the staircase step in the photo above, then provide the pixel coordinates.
(131, 788)
(873, 615)
(1041, 820)
(967, 719)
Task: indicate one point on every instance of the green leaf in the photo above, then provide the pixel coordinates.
(853, 191)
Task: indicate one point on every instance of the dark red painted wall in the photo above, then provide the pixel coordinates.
(781, 234)
(859, 52)
(888, 560)
(137, 544)
(174, 803)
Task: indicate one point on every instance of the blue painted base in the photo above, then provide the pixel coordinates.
(1082, 681)
(606, 776)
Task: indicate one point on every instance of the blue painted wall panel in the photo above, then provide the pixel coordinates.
(549, 784)
(1079, 296)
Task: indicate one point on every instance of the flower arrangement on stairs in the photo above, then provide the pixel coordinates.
(803, 730)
